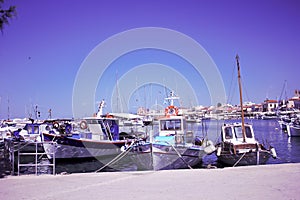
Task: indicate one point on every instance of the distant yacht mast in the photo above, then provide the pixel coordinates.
(8, 108)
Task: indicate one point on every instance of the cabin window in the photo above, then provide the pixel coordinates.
(228, 133)
(248, 132)
(92, 121)
(238, 132)
(36, 130)
(171, 125)
(29, 129)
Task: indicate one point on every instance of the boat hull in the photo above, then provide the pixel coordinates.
(243, 159)
(72, 148)
(294, 131)
(151, 156)
(283, 125)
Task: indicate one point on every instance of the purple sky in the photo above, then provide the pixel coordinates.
(43, 48)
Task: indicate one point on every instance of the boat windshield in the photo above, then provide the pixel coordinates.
(239, 132)
(174, 124)
(248, 132)
(31, 129)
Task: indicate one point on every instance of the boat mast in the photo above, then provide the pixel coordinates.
(172, 97)
(241, 98)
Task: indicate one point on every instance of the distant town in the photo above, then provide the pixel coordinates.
(268, 109)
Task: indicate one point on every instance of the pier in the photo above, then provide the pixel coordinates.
(280, 181)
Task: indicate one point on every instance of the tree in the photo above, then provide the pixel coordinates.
(6, 14)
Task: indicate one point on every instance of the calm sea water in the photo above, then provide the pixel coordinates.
(266, 131)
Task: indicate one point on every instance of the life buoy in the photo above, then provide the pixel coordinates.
(83, 125)
(171, 110)
(56, 125)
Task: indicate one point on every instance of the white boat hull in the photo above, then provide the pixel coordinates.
(72, 148)
(150, 156)
(61, 151)
(294, 131)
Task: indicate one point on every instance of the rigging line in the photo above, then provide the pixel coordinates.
(283, 89)
(246, 92)
(247, 96)
(231, 83)
(234, 91)
(243, 86)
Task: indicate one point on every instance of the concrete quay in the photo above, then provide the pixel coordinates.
(280, 181)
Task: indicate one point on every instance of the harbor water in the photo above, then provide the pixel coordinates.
(267, 132)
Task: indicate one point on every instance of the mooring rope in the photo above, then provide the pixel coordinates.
(118, 157)
(239, 159)
(179, 155)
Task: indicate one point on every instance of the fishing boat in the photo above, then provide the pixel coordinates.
(239, 146)
(98, 138)
(87, 144)
(283, 122)
(174, 147)
(293, 128)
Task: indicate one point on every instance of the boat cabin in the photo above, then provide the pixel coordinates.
(31, 132)
(233, 133)
(102, 128)
(171, 126)
(173, 130)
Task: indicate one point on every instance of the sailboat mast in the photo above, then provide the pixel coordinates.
(241, 98)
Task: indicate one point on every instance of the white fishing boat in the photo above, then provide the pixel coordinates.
(283, 122)
(238, 145)
(98, 139)
(174, 147)
(293, 128)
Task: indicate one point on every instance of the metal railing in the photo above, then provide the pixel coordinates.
(37, 155)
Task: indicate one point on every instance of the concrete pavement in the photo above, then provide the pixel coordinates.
(279, 181)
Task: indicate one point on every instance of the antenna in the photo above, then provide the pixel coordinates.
(8, 108)
(50, 113)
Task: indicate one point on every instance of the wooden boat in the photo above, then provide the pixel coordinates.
(235, 151)
(238, 145)
(174, 147)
